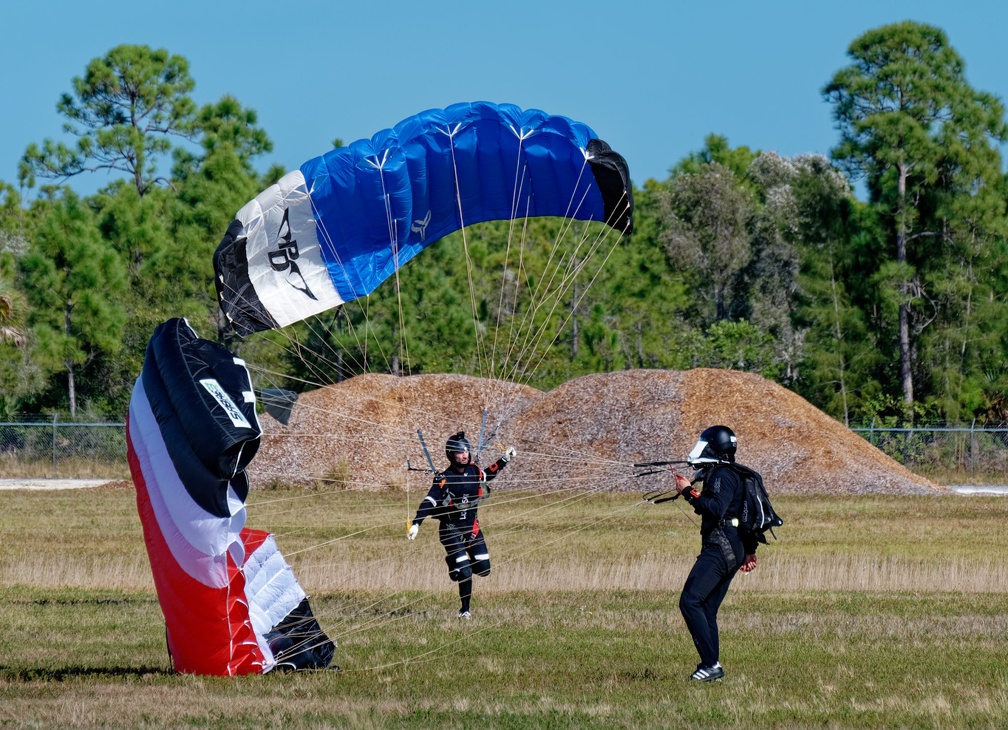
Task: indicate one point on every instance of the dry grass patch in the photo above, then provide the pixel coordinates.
(349, 541)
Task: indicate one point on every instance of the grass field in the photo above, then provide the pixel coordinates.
(869, 612)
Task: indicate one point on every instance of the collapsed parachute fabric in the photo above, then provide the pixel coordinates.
(230, 601)
(336, 228)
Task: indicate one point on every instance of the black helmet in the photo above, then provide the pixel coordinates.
(455, 445)
(716, 444)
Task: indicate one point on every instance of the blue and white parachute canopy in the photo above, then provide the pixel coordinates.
(336, 228)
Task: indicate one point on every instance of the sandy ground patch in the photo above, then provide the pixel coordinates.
(51, 483)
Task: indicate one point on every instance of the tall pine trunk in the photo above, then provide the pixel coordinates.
(905, 350)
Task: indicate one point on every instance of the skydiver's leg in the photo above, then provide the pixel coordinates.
(704, 581)
(479, 555)
(710, 607)
(456, 556)
(459, 567)
(731, 550)
(479, 561)
(465, 593)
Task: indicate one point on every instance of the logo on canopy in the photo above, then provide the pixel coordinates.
(420, 225)
(285, 257)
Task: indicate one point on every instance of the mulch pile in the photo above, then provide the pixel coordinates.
(590, 431)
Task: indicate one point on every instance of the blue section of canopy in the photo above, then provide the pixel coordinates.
(438, 171)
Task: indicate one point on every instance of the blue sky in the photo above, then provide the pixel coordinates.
(651, 77)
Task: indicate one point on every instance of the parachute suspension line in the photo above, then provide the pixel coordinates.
(298, 350)
(516, 197)
(574, 267)
(393, 233)
(508, 307)
(313, 362)
(324, 339)
(559, 239)
(362, 485)
(513, 319)
(479, 440)
(367, 327)
(369, 336)
(507, 257)
(518, 323)
(294, 347)
(579, 527)
(514, 330)
(335, 540)
(528, 375)
(363, 342)
(527, 324)
(408, 502)
(318, 357)
(543, 286)
(332, 248)
(553, 506)
(577, 183)
(525, 366)
(324, 354)
(544, 292)
(542, 281)
(393, 615)
(543, 289)
(478, 340)
(430, 654)
(404, 356)
(353, 421)
(578, 493)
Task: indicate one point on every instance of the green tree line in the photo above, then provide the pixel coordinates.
(892, 307)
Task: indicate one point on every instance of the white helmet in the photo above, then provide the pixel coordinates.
(717, 444)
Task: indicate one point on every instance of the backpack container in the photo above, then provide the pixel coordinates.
(758, 516)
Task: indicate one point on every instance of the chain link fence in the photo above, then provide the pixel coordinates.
(52, 448)
(970, 451)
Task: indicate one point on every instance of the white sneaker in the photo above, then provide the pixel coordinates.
(708, 674)
(465, 614)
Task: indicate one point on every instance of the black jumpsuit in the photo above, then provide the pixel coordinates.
(453, 500)
(723, 550)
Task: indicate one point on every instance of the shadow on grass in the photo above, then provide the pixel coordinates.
(62, 674)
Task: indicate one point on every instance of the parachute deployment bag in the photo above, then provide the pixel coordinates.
(758, 515)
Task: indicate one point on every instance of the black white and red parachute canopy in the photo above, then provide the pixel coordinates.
(230, 601)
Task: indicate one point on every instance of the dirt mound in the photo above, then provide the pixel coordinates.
(587, 432)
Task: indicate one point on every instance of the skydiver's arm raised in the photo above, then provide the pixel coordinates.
(494, 469)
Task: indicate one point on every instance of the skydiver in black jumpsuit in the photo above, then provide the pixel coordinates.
(724, 549)
(453, 500)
